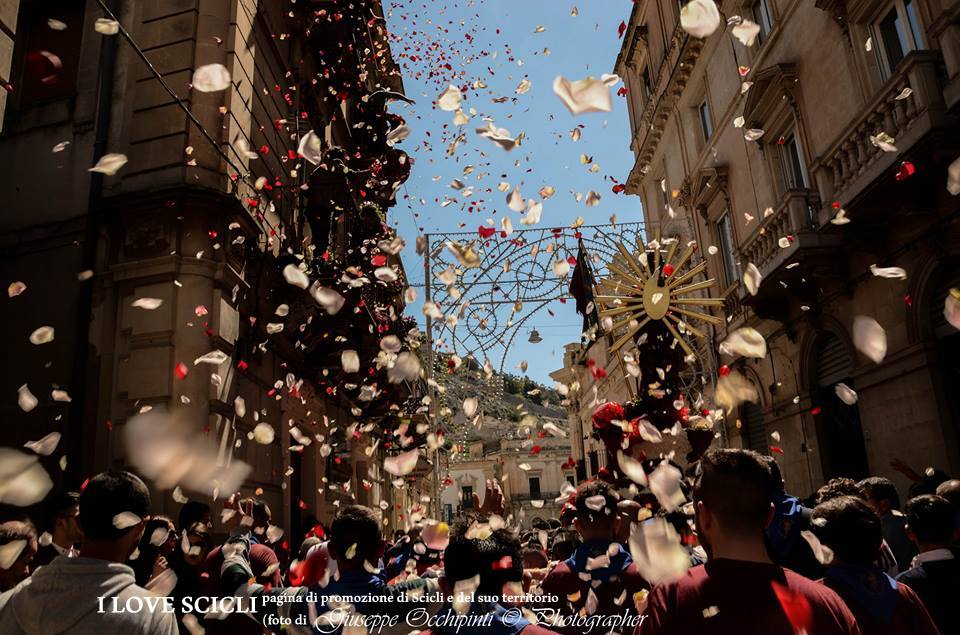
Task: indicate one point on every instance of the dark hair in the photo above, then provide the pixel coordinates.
(105, 496)
(737, 486)
(931, 518)
(838, 487)
(589, 490)
(57, 506)
(564, 544)
(192, 512)
(260, 511)
(850, 528)
(17, 530)
(881, 489)
(495, 558)
(951, 491)
(775, 474)
(356, 525)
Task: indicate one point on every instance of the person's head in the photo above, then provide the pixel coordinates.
(18, 546)
(835, 487)
(596, 511)
(355, 538)
(259, 511)
(564, 544)
(951, 491)
(62, 512)
(109, 506)
(494, 556)
(931, 522)
(194, 512)
(881, 494)
(850, 528)
(159, 537)
(196, 543)
(533, 557)
(732, 499)
(775, 474)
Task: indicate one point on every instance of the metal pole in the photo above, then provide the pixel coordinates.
(431, 391)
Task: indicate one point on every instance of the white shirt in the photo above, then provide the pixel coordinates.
(934, 555)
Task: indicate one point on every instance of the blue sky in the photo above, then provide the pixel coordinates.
(464, 35)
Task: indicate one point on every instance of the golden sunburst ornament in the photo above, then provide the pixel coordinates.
(647, 285)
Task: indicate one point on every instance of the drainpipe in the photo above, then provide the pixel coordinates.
(76, 430)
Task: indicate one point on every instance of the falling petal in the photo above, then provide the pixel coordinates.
(213, 357)
(561, 268)
(888, 272)
(746, 342)
(846, 394)
(951, 308)
(584, 95)
(23, 481)
(657, 552)
(746, 31)
(753, 133)
(330, 300)
(401, 464)
(450, 99)
(700, 18)
(406, 368)
(664, 483)
(15, 289)
(293, 275)
(470, 405)
(953, 177)
(311, 148)
(869, 338)
(515, 201)
(109, 164)
(42, 335)
(823, 553)
(732, 390)
(26, 399)
(596, 503)
(350, 361)
(125, 520)
(263, 433)
(210, 78)
(46, 445)
(632, 468)
(752, 278)
(10, 552)
(436, 535)
(105, 26)
(148, 304)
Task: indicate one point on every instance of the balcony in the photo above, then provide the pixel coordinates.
(793, 218)
(526, 497)
(852, 163)
(788, 272)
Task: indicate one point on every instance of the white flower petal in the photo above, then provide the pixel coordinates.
(148, 304)
(311, 148)
(700, 18)
(105, 26)
(44, 446)
(125, 520)
(350, 361)
(263, 433)
(210, 78)
(584, 95)
(450, 99)
(847, 394)
(752, 278)
(109, 164)
(26, 399)
(746, 31)
(293, 275)
(746, 342)
(401, 464)
(869, 338)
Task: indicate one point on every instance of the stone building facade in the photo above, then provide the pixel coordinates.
(205, 215)
(762, 147)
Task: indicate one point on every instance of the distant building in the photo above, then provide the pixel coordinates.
(762, 149)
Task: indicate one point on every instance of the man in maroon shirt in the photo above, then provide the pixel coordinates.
(740, 590)
(600, 577)
(853, 531)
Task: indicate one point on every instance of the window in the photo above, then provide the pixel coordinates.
(725, 235)
(706, 122)
(895, 34)
(647, 83)
(763, 18)
(792, 171)
(534, 482)
(466, 497)
(35, 76)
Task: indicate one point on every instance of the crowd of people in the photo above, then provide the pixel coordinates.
(756, 560)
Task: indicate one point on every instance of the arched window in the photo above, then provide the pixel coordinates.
(840, 435)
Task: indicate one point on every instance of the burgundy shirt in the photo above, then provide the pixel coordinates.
(564, 583)
(736, 597)
(909, 617)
